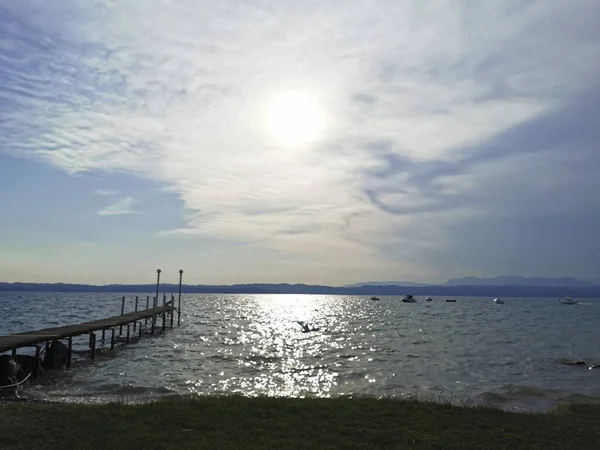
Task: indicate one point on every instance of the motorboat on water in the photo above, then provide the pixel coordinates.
(375, 299)
(451, 300)
(568, 301)
(427, 299)
(499, 301)
(409, 299)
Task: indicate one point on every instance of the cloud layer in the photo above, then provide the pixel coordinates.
(439, 114)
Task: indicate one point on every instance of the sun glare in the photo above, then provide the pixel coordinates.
(294, 118)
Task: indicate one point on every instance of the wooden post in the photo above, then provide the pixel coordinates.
(140, 328)
(164, 324)
(179, 301)
(128, 327)
(122, 312)
(152, 320)
(103, 333)
(90, 341)
(93, 339)
(155, 300)
(147, 307)
(14, 352)
(70, 353)
(172, 309)
(136, 306)
(112, 339)
(36, 371)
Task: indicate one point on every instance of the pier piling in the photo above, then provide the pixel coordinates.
(93, 344)
(70, 352)
(172, 308)
(164, 314)
(136, 307)
(112, 339)
(122, 312)
(147, 306)
(179, 300)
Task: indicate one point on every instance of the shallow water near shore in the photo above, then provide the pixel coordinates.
(510, 355)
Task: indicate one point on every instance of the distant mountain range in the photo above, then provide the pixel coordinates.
(508, 286)
(388, 283)
(506, 280)
(514, 280)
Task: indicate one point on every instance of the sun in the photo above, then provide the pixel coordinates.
(294, 118)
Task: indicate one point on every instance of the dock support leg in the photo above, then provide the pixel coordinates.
(154, 301)
(128, 327)
(93, 339)
(122, 312)
(140, 328)
(90, 341)
(136, 307)
(14, 352)
(70, 353)
(103, 333)
(36, 371)
(147, 306)
(164, 323)
(172, 309)
(179, 299)
(112, 339)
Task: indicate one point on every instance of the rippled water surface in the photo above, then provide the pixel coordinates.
(252, 344)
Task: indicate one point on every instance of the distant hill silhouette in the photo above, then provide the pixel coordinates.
(388, 283)
(443, 290)
(515, 280)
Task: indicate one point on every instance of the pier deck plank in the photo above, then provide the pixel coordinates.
(27, 338)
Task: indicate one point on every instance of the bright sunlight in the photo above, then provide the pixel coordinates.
(294, 118)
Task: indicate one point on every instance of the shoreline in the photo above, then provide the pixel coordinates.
(267, 422)
(515, 398)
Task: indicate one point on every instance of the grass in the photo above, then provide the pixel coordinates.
(278, 423)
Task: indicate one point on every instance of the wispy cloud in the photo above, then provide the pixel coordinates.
(437, 114)
(121, 206)
(106, 192)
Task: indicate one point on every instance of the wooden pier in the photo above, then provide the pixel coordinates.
(145, 319)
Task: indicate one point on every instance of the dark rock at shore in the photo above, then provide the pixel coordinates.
(9, 370)
(56, 356)
(27, 364)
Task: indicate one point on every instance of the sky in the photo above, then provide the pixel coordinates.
(298, 141)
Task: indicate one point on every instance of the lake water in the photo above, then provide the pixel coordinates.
(251, 344)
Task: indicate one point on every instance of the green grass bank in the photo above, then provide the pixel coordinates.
(288, 423)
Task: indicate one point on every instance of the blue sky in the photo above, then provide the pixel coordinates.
(298, 141)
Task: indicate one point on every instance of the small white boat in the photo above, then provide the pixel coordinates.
(568, 301)
(427, 299)
(499, 301)
(409, 299)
